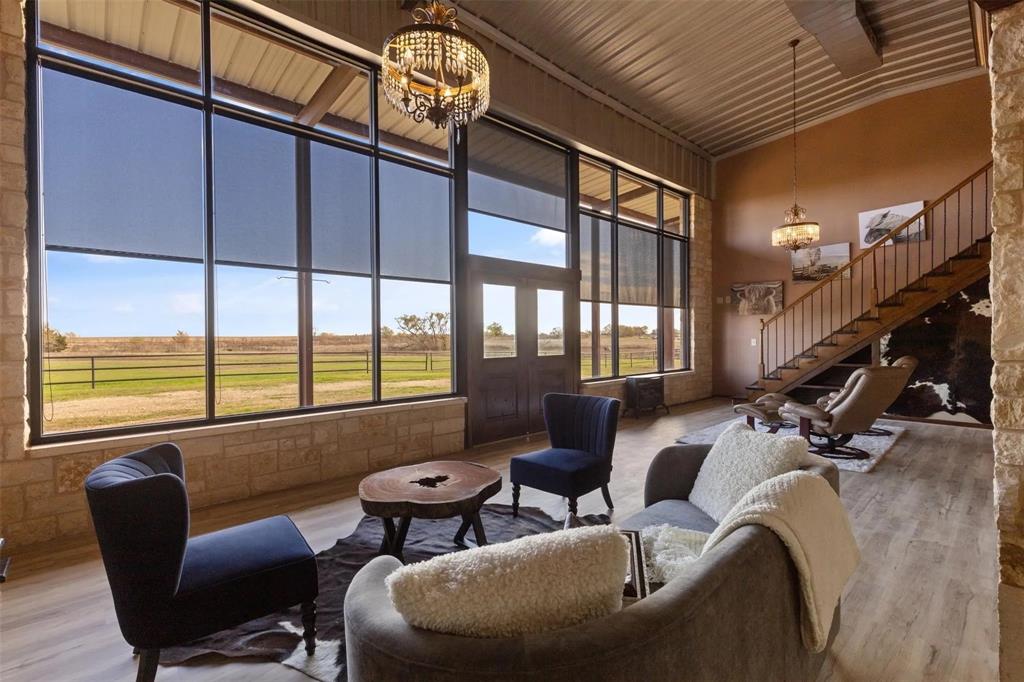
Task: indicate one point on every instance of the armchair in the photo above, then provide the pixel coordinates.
(169, 589)
(582, 433)
(839, 416)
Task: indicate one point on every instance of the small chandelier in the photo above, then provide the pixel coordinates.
(432, 71)
(796, 232)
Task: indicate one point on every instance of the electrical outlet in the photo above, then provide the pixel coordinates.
(753, 341)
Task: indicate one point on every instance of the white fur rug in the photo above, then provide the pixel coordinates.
(876, 446)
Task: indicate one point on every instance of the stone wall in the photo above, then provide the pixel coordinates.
(1007, 285)
(42, 495)
(684, 387)
(13, 263)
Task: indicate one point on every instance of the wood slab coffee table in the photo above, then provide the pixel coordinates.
(433, 490)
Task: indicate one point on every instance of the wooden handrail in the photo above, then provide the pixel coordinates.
(877, 245)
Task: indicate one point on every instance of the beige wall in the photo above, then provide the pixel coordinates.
(904, 149)
(520, 89)
(1007, 283)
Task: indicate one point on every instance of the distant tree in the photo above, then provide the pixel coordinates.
(429, 331)
(631, 330)
(182, 340)
(495, 329)
(53, 340)
(387, 332)
(555, 333)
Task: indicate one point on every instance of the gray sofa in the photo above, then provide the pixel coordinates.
(734, 616)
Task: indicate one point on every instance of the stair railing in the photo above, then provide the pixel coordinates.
(946, 227)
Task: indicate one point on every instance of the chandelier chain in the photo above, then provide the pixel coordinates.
(793, 44)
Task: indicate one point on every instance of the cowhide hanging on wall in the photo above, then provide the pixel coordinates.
(952, 341)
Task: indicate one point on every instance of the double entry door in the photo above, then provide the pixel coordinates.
(523, 344)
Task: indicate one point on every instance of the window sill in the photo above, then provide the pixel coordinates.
(621, 380)
(127, 441)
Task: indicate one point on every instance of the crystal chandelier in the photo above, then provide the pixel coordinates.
(432, 71)
(796, 232)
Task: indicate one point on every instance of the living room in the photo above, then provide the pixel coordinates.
(520, 340)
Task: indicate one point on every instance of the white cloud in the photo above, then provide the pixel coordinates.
(124, 308)
(549, 238)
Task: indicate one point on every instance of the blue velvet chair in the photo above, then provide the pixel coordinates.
(582, 434)
(168, 589)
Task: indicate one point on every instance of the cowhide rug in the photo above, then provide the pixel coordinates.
(278, 637)
(876, 446)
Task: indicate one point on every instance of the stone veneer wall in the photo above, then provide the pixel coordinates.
(13, 263)
(683, 387)
(1007, 284)
(41, 491)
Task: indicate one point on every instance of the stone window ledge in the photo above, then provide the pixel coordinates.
(184, 434)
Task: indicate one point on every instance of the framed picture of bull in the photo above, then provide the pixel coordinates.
(815, 263)
(757, 298)
(877, 223)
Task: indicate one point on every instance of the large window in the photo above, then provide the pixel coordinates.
(634, 300)
(517, 196)
(227, 233)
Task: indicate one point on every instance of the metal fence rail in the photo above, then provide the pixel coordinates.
(324, 363)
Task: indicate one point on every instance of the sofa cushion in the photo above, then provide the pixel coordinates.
(740, 459)
(533, 584)
(560, 471)
(678, 513)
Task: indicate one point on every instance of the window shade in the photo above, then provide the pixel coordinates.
(595, 248)
(254, 194)
(514, 177)
(122, 172)
(638, 266)
(415, 225)
(341, 213)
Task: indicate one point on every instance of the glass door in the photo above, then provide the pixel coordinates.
(519, 349)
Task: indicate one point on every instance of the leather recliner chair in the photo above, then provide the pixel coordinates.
(838, 417)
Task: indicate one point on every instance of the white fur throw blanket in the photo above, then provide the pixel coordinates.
(803, 510)
(537, 583)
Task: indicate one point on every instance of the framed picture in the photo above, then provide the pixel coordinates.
(874, 225)
(757, 298)
(816, 263)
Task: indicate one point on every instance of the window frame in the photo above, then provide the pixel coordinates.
(41, 56)
(663, 237)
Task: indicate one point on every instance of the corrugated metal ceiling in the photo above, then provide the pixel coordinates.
(717, 72)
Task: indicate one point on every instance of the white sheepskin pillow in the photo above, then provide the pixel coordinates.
(740, 459)
(537, 583)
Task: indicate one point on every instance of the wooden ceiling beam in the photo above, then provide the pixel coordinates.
(327, 94)
(843, 32)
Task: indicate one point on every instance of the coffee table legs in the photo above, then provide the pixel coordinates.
(478, 530)
(394, 540)
(394, 537)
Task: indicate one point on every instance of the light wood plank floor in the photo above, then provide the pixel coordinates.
(922, 604)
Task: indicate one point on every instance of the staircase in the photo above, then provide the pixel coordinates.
(887, 284)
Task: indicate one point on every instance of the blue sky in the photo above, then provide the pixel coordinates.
(122, 171)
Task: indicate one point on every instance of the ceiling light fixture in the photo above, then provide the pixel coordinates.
(432, 71)
(796, 232)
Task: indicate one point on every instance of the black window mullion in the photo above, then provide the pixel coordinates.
(206, 79)
(615, 273)
(304, 259)
(659, 346)
(375, 346)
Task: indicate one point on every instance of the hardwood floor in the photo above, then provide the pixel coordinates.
(922, 604)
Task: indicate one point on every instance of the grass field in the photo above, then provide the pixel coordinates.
(115, 382)
(82, 392)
